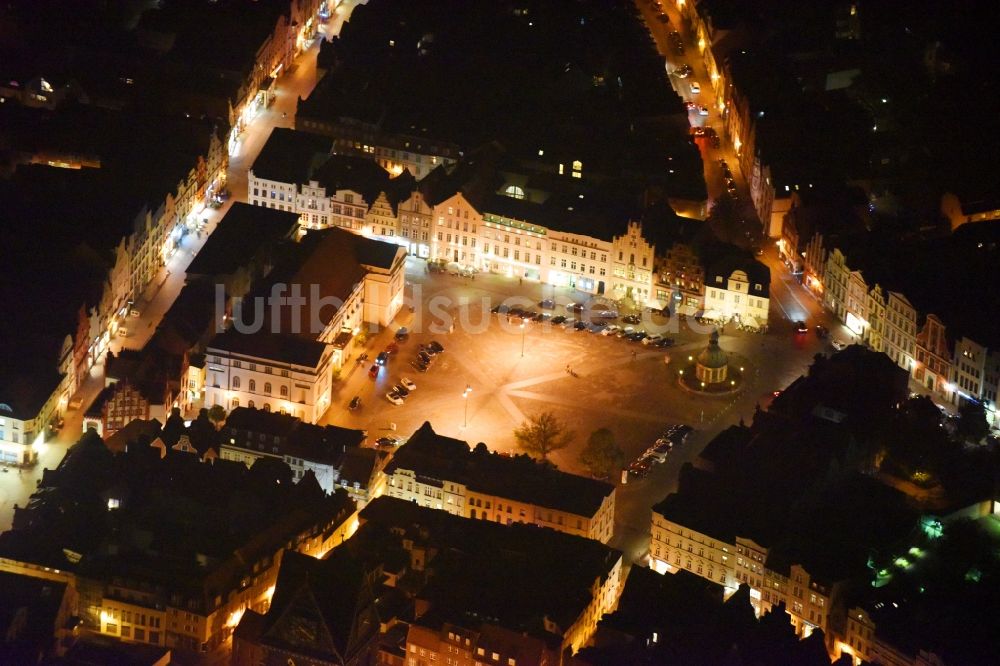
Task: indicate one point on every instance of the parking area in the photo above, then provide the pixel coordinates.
(496, 369)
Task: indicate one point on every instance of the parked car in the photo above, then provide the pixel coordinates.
(373, 371)
(391, 348)
(402, 334)
(569, 323)
(401, 390)
(394, 398)
(574, 307)
(436, 346)
(838, 345)
(628, 330)
(419, 366)
(580, 326)
(388, 442)
(611, 330)
(631, 319)
(410, 386)
(677, 434)
(547, 304)
(660, 450)
(695, 88)
(382, 358)
(355, 403)
(637, 336)
(663, 343)
(424, 358)
(558, 319)
(662, 18)
(596, 328)
(684, 71)
(652, 339)
(640, 468)
(500, 309)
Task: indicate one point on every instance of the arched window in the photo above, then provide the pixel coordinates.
(235, 403)
(236, 382)
(267, 388)
(253, 386)
(284, 391)
(267, 406)
(250, 404)
(514, 191)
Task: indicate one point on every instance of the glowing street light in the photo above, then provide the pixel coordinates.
(465, 397)
(522, 339)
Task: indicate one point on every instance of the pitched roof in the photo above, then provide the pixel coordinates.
(290, 156)
(280, 348)
(519, 478)
(241, 235)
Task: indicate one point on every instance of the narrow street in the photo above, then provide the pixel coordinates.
(297, 81)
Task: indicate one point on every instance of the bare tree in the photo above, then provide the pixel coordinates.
(542, 434)
(217, 415)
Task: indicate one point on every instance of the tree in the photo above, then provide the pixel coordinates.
(972, 423)
(542, 434)
(217, 415)
(602, 455)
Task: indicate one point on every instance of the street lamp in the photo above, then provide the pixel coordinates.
(465, 396)
(522, 339)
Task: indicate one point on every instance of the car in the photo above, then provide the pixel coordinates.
(758, 252)
(580, 326)
(678, 434)
(410, 386)
(604, 314)
(596, 328)
(528, 314)
(355, 403)
(640, 468)
(391, 348)
(628, 330)
(731, 189)
(436, 346)
(684, 71)
(543, 317)
(424, 358)
(665, 342)
(362, 358)
(662, 18)
(695, 88)
(373, 371)
(569, 323)
(660, 450)
(649, 340)
(558, 319)
(419, 366)
(631, 319)
(388, 442)
(838, 345)
(515, 312)
(394, 398)
(382, 358)
(821, 331)
(800, 327)
(637, 336)
(500, 309)
(547, 304)
(401, 390)
(574, 307)
(424, 349)
(611, 330)
(402, 334)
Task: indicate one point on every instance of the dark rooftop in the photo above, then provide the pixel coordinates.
(281, 348)
(519, 478)
(515, 574)
(289, 156)
(243, 233)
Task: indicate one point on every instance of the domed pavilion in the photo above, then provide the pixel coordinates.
(712, 364)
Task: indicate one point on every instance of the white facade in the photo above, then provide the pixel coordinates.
(241, 380)
(737, 298)
(13, 438)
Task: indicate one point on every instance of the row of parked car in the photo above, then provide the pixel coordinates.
(672, 436)
(425, 355)
(595, 321)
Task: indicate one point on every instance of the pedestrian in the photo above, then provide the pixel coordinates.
(519, 281)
